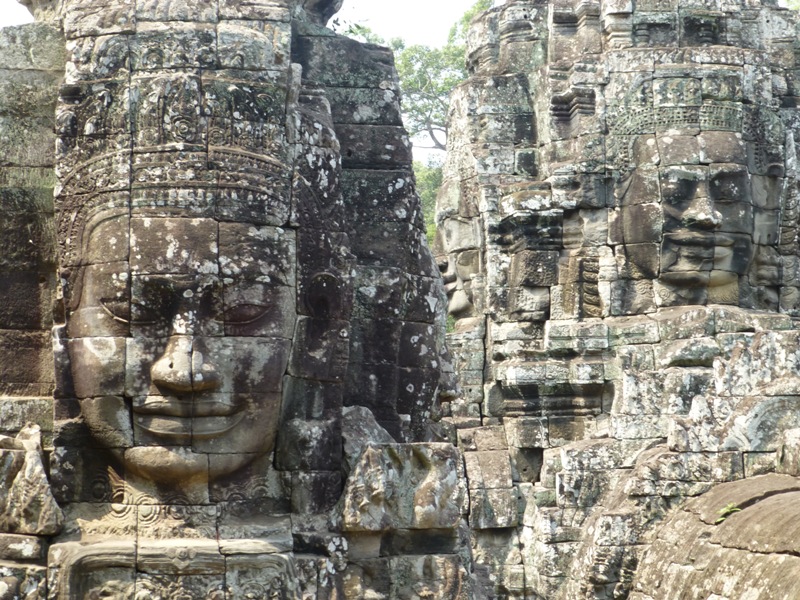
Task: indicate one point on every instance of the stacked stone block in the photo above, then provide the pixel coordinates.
(30, 71)
(394, 321)
(605, 274)
(242, 261)
(27, 243)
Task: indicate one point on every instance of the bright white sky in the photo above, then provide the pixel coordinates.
(13, 13)
(416, 21)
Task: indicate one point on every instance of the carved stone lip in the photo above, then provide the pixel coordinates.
(721, 239)
(211, 427)
(724, 247)
(701, 238)
(179, 428)
(175, 406)
(722, 252)
(693, 238)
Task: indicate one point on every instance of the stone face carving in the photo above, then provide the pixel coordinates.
(718, 189)
(618, 237)
(241, 261)
(249, 333)
(181, 272)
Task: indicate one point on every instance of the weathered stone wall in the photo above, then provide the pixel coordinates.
(739, 539)
(248, 329)
(618, 238)
(31, 67)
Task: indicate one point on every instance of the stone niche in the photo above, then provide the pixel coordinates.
(618, 240)
(221, 330)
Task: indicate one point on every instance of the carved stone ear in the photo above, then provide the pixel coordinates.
(323, 296)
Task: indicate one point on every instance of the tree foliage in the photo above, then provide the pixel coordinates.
(429, 180)
(427, 75)
(360, 32)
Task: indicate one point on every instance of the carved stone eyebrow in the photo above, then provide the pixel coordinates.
(681, 173)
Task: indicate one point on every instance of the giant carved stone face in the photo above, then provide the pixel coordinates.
(699, 212)
(181, 268)
(707, 224)
(180, 339)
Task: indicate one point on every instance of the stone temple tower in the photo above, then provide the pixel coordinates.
(618, 239)
(222, 331)
(225, 371)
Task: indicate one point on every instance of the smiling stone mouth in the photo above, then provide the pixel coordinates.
(183, 429)
(700, 238)
(691, 248)
(692, 238)
(181, 419)
(174, 406)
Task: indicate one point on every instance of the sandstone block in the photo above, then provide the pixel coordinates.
(493, 508)
(405, 486)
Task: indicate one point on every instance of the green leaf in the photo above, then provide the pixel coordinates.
(727, 511)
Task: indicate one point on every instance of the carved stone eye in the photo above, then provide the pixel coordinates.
(323, 296)
(71, 94)
(118, 309)
(244, 313)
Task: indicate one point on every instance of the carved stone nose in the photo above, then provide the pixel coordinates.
(182, 369)
(448, 271)
(702, 214)
(174, 369)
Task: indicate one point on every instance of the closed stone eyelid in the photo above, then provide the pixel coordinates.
(104, 302)
(223, 315)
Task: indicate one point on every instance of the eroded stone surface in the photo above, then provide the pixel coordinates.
(617, 236)
(241, 254)
(27, 506)
(412, 486)
(739, 539)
